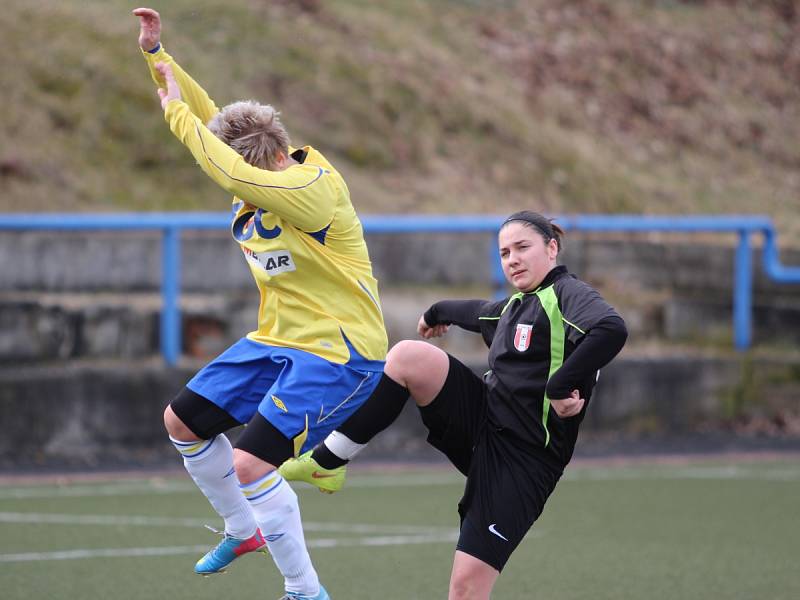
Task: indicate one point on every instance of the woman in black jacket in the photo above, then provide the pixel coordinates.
(512, 431)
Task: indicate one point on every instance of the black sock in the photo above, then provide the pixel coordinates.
(327, 459)
(376, 414)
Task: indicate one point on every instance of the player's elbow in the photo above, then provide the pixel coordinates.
(619, 332)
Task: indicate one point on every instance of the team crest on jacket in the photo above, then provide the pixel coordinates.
(522, 338)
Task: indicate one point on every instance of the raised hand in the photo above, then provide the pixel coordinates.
(173, 91)
(149, 28)
(427, 332)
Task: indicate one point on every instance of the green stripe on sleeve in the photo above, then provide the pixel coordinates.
(573, 326)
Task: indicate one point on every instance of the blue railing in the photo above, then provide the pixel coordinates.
(171, 224)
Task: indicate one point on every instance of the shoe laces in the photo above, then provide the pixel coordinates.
(225, 537)
(215, 530)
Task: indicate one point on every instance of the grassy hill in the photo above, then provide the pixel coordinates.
(657, 106)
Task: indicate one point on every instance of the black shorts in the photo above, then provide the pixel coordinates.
(508, 482)
(456, 417)
(207, 420)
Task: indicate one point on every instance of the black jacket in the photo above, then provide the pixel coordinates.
(542, 345)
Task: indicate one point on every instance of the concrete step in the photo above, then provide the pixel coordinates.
(105, 413)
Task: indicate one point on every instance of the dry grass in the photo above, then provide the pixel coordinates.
(565, 105)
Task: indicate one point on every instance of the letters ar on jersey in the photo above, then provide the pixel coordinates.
(279, 261)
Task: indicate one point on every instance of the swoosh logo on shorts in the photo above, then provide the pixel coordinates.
(318, 475)
(497, 533)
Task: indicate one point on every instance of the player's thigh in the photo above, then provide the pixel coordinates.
(312, 396)
(237, 379)
(260, 448)
(190, 413)
(507, 488)
(456, 417)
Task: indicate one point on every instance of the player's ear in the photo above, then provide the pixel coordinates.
(280, 160)
(552, 247)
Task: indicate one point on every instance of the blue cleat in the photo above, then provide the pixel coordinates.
(230, 548)
(323, 595)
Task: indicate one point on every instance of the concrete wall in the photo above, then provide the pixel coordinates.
(96, 415)
(80, 372)
(77, 295)
(130, 261)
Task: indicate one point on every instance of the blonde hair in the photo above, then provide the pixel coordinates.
(254, 130)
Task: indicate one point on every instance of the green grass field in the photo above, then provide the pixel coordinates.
(709, 530)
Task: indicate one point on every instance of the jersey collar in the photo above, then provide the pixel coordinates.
(550, 278)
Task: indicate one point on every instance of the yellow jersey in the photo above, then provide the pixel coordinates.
(299, 233)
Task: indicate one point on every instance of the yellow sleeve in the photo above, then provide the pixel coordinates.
(191, 92)
(305, 195)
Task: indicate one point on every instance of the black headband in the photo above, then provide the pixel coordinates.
(538, 221)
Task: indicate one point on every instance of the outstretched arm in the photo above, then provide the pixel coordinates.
(464, 313)
(150, 42)
(304, 194)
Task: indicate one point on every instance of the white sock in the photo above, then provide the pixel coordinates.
(342, 446)
(210, 463)
(277, 512)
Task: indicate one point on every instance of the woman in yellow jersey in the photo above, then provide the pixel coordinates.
(320, 345)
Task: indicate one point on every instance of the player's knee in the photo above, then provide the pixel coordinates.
(248, 467)
(403, 356)
(410, 362)
(471, 578)
(176, 428)
(462, 586)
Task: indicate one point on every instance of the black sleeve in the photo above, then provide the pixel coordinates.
(581, 306)
(464, 313)
(600, 344)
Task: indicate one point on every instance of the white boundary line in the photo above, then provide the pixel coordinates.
(752, 472)
(789, 472)
(161, 487)
(146, 521)
(398, 540)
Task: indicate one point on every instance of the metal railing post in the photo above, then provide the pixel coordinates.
(170, 291)
(742, 293)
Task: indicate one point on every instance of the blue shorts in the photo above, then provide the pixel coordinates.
(304, 396)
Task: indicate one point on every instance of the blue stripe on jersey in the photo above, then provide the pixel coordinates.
(359, 362)
(363, 287)
(320, 235)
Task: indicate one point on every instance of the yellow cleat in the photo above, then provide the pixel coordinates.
(305, 468)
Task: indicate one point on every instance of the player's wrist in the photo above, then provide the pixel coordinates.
(154, 49)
